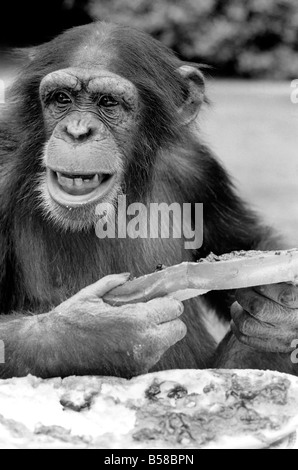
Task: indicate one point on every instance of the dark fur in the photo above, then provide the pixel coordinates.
(42, 265)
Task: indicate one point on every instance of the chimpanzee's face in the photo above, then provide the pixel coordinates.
(90, 120)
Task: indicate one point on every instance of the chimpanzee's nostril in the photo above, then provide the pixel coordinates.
(84, 136)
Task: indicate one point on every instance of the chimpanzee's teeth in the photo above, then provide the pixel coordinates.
(78, 181)
(82, 182)
(65, 181)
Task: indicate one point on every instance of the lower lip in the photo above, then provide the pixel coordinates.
(70, 200)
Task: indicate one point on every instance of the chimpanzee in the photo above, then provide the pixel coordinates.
(105, 110)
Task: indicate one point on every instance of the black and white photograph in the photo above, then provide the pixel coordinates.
(149, 227)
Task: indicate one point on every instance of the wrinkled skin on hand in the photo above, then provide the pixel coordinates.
(266, 317)
(138, 334)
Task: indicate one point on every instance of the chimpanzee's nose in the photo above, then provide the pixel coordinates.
(79, 131)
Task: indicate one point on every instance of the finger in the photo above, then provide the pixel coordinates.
(163, 309)
(105, 284)
(170, 333)
(264, 309)
(273, 345)
(283, 294)
(248, 325)
(158, 340)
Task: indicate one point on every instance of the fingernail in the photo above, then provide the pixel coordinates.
(288, 298)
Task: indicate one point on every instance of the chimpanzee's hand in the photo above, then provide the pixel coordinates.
(125, 341)
(266, 317)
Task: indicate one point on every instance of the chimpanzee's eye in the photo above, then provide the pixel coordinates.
(62, 98)
(107, 101)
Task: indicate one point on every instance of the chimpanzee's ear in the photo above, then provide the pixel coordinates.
(195, 94)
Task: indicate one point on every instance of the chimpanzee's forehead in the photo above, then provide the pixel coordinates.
(119, 49)
(90, 56)
(97, 50)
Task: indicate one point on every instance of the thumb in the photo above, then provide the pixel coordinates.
(105, 284)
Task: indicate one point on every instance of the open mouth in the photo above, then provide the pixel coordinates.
(77, 189)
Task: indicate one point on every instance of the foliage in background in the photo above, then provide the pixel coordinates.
(248, 38)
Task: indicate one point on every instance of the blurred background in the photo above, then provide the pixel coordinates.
(251, 47)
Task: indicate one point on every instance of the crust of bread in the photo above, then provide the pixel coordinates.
(230, 271)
